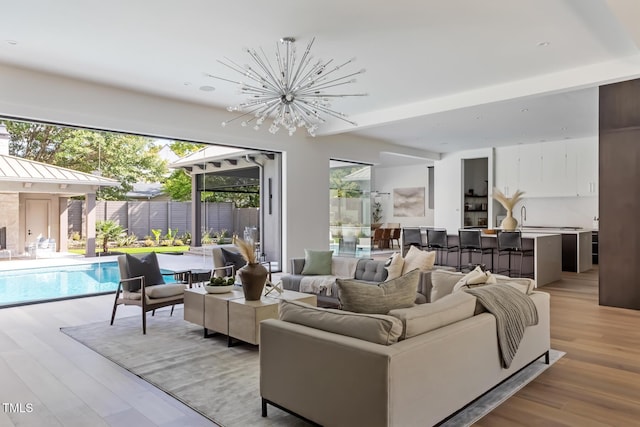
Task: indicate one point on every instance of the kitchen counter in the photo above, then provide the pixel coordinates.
(576, 246)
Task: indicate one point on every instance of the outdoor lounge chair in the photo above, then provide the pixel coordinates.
(141, 283)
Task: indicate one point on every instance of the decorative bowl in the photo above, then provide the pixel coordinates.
(218, 289)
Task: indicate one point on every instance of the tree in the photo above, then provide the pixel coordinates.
(125, 158)
(36, 141)
(341, 189)
(178, 186)
(107, 231)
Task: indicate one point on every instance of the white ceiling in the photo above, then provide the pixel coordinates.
(441, 75)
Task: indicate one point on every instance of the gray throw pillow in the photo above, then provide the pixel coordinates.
(146, 266)
(234, 259)
(381, 298)
(317, 262)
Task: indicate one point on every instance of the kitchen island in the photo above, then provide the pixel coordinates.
(576, 246)
(545, 266)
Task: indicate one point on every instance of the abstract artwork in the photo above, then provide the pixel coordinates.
(408, 201)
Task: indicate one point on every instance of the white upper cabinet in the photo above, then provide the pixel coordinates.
(585, 155)
(558, 170)
(507, 166)
(531, 170)
(549, 169)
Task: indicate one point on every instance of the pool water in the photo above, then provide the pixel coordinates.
(32, 285)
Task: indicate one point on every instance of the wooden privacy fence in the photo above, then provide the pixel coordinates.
(139, 217)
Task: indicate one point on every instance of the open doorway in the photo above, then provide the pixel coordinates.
(475, 192)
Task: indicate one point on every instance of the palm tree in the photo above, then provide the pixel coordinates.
(108, 231)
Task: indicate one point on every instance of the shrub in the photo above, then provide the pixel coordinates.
(166, 242)
(148, 243)
(178, 242)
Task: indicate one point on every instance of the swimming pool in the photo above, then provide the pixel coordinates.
(28, 286)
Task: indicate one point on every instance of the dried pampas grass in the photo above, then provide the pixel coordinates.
(247, 250)
(507, 202)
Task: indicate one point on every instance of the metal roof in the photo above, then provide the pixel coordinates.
(18, 174)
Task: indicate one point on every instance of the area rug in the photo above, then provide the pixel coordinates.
(219, 382)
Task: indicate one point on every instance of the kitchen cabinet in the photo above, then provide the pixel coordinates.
(475, 210)
(507, 165)
(584, 155)
(549, 169)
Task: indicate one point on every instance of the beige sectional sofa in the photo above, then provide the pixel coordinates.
(344, 369)
(366, 270)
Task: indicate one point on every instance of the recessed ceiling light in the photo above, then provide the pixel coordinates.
(524, 110)
(478, 117)
(12, 42)
(187, 83)
(544, 44)
(563, 128)
(207, 88)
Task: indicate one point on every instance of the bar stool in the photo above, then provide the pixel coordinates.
(411, 236)
(471, 242)
(510, 243)
(438, 241)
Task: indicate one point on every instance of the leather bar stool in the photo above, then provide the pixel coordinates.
(510, 243)
(438, 241)
(471, 242)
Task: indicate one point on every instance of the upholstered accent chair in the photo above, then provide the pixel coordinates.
(142, 284)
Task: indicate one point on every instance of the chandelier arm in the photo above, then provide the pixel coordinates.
(331, 112)
(308, 110)
(270, 79)
(315, 90)
(269, 70)
(304, 61)
(322, 82)
(308, 77)
(245, 72)
(326, 75)
(246, 113)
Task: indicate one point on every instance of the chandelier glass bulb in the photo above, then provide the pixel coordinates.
(294, 92)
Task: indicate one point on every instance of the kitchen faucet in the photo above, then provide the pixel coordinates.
(523, 215)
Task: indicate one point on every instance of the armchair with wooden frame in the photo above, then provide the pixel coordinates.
(141, 283)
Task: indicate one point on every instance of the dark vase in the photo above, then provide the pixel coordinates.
(253, 278)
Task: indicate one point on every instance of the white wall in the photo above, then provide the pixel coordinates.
(388, 178)
(560, 211)
(449, 190)
(32, 95)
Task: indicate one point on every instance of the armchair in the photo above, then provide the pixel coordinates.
(141, 283)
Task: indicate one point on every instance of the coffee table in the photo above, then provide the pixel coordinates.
(230, 314)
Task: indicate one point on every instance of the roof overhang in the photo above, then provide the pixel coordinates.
(28, 176)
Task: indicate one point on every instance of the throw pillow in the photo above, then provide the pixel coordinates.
(416, 258)
(232, 259)
(317, 262)
(379, 329)
(394, 266)
(427, 317)
(442, 283)
(146, 266)
(475, 277)
(381, 298)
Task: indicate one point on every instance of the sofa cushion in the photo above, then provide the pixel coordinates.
(370, 270)
(379, 329)
(146, 266)
(394, 266)
(416, 258)
(164, 291)
(427, 317)
(317, 262)
(442, 283)
(381, 298)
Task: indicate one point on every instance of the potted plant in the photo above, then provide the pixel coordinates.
(220, 285)
(509, 223)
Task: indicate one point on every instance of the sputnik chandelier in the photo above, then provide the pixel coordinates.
(293, 93)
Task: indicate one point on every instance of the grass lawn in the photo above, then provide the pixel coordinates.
(159, 249)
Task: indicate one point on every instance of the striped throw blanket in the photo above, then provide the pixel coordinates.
(513, 310)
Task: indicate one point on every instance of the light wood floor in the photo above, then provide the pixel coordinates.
(596, 384)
